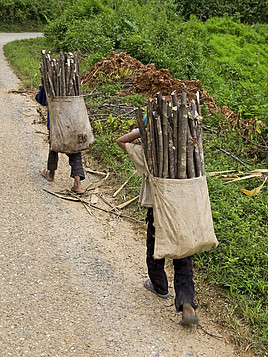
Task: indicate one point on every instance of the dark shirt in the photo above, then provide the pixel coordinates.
(41, 98)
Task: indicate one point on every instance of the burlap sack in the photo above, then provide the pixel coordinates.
(70, 129)
(135, 152)
(182, 217)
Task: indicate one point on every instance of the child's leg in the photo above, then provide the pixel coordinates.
(75, 161)
(155, 267)
(77, 171)
(52, 165)
(183, 283)
(52, 162)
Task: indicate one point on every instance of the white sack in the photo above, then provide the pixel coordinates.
(182, 217)
(70, 129)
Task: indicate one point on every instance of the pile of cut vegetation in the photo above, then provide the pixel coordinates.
(148, 81)
(141, 78)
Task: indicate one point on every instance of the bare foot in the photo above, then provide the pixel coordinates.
(48, 175)
(77, 188)
(79, 191)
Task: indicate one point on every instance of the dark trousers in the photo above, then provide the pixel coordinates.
(75, 161)
(183, 272)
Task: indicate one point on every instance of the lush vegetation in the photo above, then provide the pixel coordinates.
(19, 15)
(26, 65)
(248, 11)
(230, 59)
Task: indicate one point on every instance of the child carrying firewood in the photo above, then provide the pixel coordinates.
(157, 280)
(75, 160)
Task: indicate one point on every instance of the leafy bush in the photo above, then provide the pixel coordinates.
(19, 12)
(229, 58)
(247, 11)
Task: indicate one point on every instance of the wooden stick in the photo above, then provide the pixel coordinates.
(160, 146)
(94, 185)
(44, 73)
(87, 208)
(169, 114)
(171, 153)
(124, 184)
(143, 134)
(175, 129)
(165, 138)
(175, 139)
(78, 78)
(174, 98)
(159, 103)
(182, 137)
(149, 149)
(62, 75)
(197, 161)
(61, 195)
(190, 155)
(156, 138)
(49, 76)
(100, 195)
(70, 80)
(67, 74)
(125, 204)
(150, 124)
(199, 134)
(87, 169)
(193, 133)
(200, 145)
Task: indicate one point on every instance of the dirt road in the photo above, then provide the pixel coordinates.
(72, 283)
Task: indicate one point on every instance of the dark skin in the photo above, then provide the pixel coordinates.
(50, 175)
(188, 310)
(127, 138)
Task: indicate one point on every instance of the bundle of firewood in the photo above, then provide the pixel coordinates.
(61, 77)
(172, 137)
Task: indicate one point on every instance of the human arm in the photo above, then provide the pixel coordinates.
(127, 138)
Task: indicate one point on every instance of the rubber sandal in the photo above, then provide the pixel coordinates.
(77, 193)
(149, 285)
(44, 174)
(190, 320)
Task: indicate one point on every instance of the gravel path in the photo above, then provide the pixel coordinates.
(71, 283)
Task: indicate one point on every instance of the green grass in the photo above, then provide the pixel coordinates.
(25, 58)
(239, 264)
